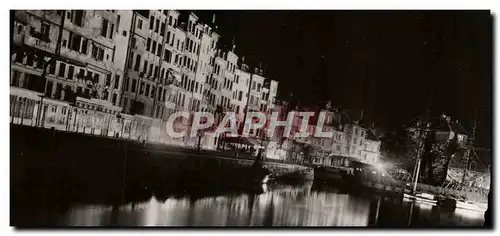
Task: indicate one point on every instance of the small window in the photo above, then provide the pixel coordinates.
(117, 81)
(104, 28)
(108, 79)
(71, 72)
(62, 69)
(139, 24)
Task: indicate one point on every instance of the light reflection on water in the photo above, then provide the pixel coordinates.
(278, 206)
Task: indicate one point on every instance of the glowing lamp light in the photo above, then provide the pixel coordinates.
(379, 166)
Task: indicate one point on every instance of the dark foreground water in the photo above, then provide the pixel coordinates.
(268, 205)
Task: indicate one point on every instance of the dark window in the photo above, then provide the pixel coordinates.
(114, 99)
(117, 81)
(167, 56)
(137, 62)
(240, 95)
(95, 51)
(62, 69)
(111, 31)
(162, 32)
(81, 74)
(145, 66)
(29, 59)
(153, 90)
(148, 44)
(78, 17)
(153, 49)
(100, 55)
(157, 25)
(139, 24)
(156, 72)
(162, 73)
(52, 68)
(39, 62)
(89, 75)
(84, 46)
(131, 61)
(141, 88)
(118, 19)
(133, 42)
(45, 31)
(151, 23)
(133, 85)
(71, 71)
(96, 78)
(108, 79)
(150, 69)
(168, 37)
(104, 28)
(19, 56)
(170, 20)
(74, 44)
(147, 90)
(158, 52)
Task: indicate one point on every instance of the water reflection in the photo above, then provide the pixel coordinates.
(280, 205)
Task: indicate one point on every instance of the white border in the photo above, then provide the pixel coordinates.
(219, 4)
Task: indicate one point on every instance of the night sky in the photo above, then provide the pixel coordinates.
(382, 62)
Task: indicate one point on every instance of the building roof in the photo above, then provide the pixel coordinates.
(370, 135)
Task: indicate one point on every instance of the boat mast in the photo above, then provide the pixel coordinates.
(422, 137)
(470, 146)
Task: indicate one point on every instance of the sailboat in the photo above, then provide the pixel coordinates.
(414, 196)
(461, 203)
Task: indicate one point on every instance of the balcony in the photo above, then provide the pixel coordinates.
(39, 43)
(79, 57)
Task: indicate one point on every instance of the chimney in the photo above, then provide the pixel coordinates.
(213, 18)
(361, 117)
(256, 71)
(448, 119)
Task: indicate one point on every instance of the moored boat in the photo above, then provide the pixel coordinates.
(420, 197)
(467, 205)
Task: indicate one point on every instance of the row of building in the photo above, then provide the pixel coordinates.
(122, 73)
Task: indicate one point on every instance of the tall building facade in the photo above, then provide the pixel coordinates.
(122, 72)
(67, 61)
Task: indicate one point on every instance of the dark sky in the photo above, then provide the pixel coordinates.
(382, 62)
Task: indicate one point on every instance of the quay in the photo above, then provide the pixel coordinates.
(37, 153)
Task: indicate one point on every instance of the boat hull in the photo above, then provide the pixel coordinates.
(471, 206)
(418, 198)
